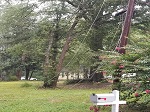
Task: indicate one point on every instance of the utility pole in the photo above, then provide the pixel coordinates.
(122, 44)
(126, 27)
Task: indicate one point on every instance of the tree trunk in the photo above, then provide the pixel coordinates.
(47, 54)
(66, 46)
(19, 74)
(31, 75)
(67, 74)
(27, 69)
(85, 73)
(51, 77)
(65, 49)
(47, 62)
(94, 76)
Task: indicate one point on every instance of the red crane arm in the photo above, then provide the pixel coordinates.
(125, 29)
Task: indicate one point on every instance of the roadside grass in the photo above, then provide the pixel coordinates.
(25, 96)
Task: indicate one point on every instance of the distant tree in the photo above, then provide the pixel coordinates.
(17, 29)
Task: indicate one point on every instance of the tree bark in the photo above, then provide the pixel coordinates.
(66, 46)
(27, 68)
(19, 74)
(65, 49)
(47, 54)
(47, 61)
(31, 75)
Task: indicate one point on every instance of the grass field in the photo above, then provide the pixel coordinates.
(24, 96)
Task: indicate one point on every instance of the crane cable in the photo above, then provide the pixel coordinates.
(92, 75)
(82, 40)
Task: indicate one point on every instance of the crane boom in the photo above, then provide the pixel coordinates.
(125, 29)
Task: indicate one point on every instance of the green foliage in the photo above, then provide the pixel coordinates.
(78, 56)
(26, 85)
(40, 77)
(22, 45)
(17, 23)
(50, 76)
(25, 34)
(131, 57)
(136, 60)
(136, 96)
(12, 78)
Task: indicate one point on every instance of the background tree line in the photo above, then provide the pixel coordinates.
(32, 35)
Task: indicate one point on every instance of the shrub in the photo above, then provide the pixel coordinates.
(136, 95)
(12, 78)
(40, 78)
(26, 85)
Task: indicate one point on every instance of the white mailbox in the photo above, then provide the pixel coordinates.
(101, 98)
(108, 99)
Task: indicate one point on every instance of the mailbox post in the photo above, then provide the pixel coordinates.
(108, 99)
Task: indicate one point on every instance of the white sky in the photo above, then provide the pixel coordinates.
(43, 5)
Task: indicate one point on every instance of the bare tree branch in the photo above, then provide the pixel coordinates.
(71, 3)
(8, 1)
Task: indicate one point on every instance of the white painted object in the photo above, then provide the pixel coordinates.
(102, 98)
(108, 99)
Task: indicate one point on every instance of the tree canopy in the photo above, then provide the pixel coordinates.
(33, 34)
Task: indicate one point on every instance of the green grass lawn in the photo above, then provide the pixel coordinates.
(14, 97)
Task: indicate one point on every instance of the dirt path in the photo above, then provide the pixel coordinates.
(87, 86)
